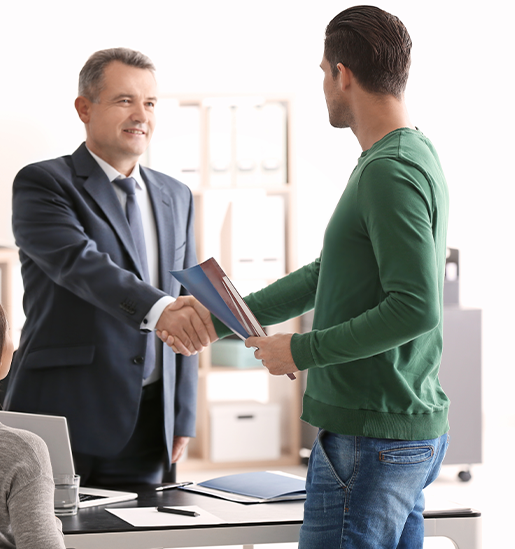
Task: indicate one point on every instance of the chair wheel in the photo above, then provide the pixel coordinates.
(464, 476)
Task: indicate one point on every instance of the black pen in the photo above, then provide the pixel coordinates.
(173, 511)
(172, 486)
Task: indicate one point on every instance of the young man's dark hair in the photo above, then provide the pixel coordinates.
(374, 45)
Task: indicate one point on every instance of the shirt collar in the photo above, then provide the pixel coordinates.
(113, 173)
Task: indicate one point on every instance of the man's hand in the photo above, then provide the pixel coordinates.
(186, 326)
(179, 445)
(274, 352)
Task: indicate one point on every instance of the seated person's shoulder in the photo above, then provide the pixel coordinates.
(23, 446)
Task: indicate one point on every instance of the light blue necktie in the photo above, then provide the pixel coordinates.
(133, 213)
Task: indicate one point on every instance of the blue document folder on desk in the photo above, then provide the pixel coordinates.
(256, 487)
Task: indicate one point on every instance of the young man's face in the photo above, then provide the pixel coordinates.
(340, 115)
(119, 125)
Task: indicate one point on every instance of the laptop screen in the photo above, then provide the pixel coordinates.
(52, 429)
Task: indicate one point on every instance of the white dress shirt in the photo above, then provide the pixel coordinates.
(150, 232)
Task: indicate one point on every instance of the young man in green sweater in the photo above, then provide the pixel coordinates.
(377, 291)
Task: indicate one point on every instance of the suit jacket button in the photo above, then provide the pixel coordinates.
(138, 359)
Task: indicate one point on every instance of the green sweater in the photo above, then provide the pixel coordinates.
(377, 290)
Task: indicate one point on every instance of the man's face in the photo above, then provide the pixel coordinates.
(340, 115)
(120, 123)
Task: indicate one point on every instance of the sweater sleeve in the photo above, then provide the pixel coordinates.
(286, 298)
(31, 502)
(396, 214)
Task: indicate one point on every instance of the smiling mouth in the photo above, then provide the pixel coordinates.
(135, 132)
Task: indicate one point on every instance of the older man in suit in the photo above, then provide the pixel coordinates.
(98, 236)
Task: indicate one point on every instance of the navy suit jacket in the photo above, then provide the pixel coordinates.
(81, 348)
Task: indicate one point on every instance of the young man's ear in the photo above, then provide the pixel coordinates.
(83, 108)
(344, 75)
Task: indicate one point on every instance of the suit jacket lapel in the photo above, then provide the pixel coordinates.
(163, 214)
(99, 188)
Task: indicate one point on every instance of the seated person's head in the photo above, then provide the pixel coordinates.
(6, 345)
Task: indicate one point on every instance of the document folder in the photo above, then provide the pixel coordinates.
(257, 487)
(212, 287)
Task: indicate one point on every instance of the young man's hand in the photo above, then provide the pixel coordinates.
(274, 352)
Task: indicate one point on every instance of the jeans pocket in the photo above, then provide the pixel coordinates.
(339, 455)
(407, 455)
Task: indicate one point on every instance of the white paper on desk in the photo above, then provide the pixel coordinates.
(438, 504)
(149, 516)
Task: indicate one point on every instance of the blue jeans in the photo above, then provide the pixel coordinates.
(366, 493)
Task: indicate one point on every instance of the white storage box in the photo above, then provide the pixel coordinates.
(245, 431)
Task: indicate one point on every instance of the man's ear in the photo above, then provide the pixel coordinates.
(344, 76)
(83, 108)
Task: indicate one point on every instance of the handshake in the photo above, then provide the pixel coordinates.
(186, 326)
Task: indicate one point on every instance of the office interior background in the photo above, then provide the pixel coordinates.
(458, 94)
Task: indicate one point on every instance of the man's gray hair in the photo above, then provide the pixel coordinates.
(91, 77)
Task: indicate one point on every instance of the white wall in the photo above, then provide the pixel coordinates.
(458, 95)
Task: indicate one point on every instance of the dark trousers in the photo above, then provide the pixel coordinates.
(142, 459)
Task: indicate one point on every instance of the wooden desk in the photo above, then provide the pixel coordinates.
(247, 525)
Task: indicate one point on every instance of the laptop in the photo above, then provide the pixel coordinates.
(54, 431)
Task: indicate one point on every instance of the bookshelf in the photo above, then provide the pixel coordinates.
(235, 153)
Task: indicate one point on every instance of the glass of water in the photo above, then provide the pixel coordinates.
(66, 495)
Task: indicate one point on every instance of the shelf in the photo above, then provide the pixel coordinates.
(235, 154)
(215, 369)
(269, 189)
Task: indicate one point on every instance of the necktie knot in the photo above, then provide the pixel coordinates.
(128, 185)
